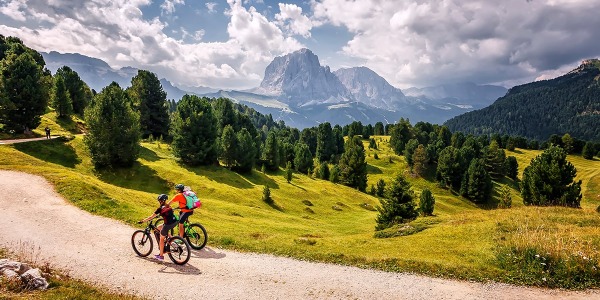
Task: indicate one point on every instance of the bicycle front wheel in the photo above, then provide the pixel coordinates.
(141, 243)
(196, 236)
(179, 250)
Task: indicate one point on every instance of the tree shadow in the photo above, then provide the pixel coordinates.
(148, 154)
(68, 124)
(242, 181)
(54, 151)
(373, 169)
(171, 268)
(138, 177)
(258, 178)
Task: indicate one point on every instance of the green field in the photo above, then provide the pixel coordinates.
(547, 246)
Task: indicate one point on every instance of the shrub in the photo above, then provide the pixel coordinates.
(505, 198)
(267, 195)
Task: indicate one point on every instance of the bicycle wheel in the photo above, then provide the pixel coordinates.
(179, 250)
(196, 236)
(142, 243)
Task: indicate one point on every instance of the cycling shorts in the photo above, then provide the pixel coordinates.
(183, 216)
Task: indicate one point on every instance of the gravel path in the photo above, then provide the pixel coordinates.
(98, 250)
(26, 140)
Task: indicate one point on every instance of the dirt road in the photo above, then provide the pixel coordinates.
(98, 250)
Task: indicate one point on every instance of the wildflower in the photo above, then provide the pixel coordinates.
(544, 279)
(543, 264)
(537, 256)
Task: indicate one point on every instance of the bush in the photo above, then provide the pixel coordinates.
(505, 198)
(267, 195)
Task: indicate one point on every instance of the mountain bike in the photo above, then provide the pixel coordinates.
(194, 233)
(176, 247)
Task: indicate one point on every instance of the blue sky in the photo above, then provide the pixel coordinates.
(228, 43)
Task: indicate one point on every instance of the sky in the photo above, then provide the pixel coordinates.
(228, 44)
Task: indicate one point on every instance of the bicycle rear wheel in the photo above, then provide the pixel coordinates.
(196, 236)
(179, 250)
(142, 243)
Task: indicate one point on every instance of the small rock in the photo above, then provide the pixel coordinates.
(33, 280)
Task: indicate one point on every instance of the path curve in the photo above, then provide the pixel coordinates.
(14, 141)
(98, 250)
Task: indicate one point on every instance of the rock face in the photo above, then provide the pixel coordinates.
(371, 89)
(21, 274)
(298, 79)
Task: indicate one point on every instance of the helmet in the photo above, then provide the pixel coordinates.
(162, 198)
(179, 187)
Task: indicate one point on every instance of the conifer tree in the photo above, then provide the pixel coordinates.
(61, 99)
(588, 151)
(334, 175)
(397, 206)
(150, 100)
(271, 152)
(419, 159)
(288, 171)
(549, 180)
(380, 190)
(325, 142)
(194, 131)
(228, 146)
(426, 202)
(353, 167)
(303, 159)
(76, 88)
(113, 135)
(246, 152)
(512, 167)
(477, 184)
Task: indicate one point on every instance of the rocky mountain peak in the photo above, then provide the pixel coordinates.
(370, 88)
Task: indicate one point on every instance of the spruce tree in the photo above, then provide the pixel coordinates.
(477, 184)
(271, 152)
(549, 180)
(61, 99)
(76, 88)
(334, 175)
(380, 190)
(288, 172)
(397, 206)
(325, 142)
(426, 202)
(419, 159)
(194, 131)
(246, 151)
(511, 167)
(150, 100)
(353, 166)
(303, 159)
(228, 146)
(588, 151)
(409, 150)
(113, 134)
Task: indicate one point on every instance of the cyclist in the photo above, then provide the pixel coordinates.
(184, 212)
(165, 211)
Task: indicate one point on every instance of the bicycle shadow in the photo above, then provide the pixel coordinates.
(208, 252)
(171, 268)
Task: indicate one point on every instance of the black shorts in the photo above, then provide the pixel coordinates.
(183, 216)
(166, 227)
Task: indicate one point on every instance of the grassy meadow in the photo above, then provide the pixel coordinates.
(317, 220)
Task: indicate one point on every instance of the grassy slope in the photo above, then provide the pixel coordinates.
(462, 240)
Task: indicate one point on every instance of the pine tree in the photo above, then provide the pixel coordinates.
(512, 167)
(194, 131)
(267, 195)
(549, 180)
(397, 206)
(246, 151)
(303, 159)
(505, 198)
(426, 202)
(150, 100)
(113, 135)
(24, 88)
(76, 88)
(451, 167)
(478, 184)
(271, 152)
(409, 150)
(567, 142)
(334, 175)
(494, 160)
(380, 190)
(588, 151)
(325, 142)
(353, 167)
(228, 146)
(61, 100)
(419, 159)
(400, 135)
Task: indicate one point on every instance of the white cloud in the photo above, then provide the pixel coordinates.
(13, 9)
(211, 6)
(116, 32)
(168, 7)
(430, 42)
(298, 23)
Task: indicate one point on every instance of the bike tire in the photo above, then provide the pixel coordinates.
(196, 236)
(142, 243)
(179, 250)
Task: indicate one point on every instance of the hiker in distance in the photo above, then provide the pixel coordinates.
(47, 132)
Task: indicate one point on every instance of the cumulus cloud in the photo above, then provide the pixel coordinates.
(13, 9)
(116, 32)
(431, 42)
(291, 18)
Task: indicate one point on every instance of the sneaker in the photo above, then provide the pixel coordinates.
(159, 258)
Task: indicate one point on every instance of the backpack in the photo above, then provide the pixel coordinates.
(191, 200)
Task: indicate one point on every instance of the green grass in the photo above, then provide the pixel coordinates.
(462, 240)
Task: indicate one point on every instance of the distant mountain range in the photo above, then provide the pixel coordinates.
(301, 92)
(537, 110)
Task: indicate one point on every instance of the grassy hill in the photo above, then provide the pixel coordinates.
(461, 240)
